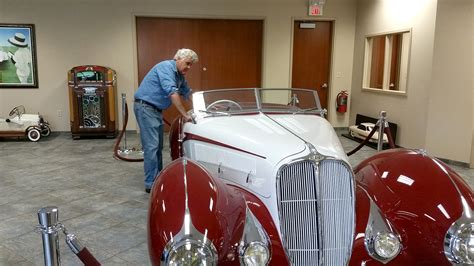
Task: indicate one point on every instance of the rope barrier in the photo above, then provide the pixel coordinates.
(385, 129)
(121, 135)
(48, 227)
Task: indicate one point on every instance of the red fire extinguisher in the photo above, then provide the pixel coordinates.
(341, 101)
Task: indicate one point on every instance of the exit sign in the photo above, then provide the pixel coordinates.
(315, 10)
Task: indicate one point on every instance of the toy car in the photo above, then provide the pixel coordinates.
(362, 130)
(260, 178)
(19, 124)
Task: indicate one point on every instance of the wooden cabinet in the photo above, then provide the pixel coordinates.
(92, 101)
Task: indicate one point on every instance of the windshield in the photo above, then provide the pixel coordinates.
(244, 101)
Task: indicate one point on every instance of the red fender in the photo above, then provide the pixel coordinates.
(213, 207)
(398, 181)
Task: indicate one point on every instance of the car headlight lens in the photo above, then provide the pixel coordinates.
(255, 253)
(190, 252)
(462, 244)
(387, 245)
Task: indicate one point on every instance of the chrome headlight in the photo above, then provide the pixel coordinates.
(381, 240)
(459, 243)
(189, 252)
(255, 244)
(387, 245)
(255, 253)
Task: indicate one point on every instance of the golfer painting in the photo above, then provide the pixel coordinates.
(16, 57)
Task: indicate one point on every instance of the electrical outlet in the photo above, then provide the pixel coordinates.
(60, 113)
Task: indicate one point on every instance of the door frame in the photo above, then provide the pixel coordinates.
(331, 64)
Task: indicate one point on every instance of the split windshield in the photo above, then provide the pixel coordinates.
(244, 101)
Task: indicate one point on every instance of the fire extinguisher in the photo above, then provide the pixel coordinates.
(341, 101)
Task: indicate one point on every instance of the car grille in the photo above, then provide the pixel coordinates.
(316, 209)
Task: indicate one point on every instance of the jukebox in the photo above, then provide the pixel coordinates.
(92, 101)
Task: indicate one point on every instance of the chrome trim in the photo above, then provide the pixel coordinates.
(422, 152)
(187, 233)
(319, 251)
(257, 91)
(376, 224)
(253, 232)
(465, 219)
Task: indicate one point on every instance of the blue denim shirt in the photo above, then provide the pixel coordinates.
(160, 82)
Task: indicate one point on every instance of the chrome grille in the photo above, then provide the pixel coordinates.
(316, 208)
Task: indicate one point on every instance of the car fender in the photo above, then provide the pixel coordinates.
(278, 254)
(398, 182)
(174, 136)
(216, 210)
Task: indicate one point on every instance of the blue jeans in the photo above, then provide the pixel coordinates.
(150, 122)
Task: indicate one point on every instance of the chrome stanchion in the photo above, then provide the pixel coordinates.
(49, 228)
(124, 106)
(381, 129)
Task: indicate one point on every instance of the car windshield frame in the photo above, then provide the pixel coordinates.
(239, 101)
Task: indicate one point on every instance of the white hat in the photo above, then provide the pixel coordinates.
(18, 40)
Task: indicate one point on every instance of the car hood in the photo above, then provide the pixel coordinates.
(273, 137)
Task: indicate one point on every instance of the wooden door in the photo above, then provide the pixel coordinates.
(312, 57)
(158, 39)
(230, 51)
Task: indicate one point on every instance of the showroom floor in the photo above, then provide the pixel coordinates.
(100, 199)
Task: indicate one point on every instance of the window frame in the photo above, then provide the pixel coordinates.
(403, 66)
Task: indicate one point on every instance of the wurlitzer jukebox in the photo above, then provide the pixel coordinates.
(92, 101)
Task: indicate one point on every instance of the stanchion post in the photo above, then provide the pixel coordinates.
(381, 130)
(49, 227)
(124, 105)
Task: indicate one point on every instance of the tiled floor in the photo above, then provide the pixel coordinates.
(100, 199)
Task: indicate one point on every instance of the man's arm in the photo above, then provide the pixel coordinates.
(176, 100)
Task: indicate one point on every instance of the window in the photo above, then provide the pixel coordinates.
(386, 61)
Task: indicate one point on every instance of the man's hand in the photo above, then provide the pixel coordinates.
(187, 118)
(11, 57)
(175, 99)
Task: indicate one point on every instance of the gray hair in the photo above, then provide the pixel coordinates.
(186, 53)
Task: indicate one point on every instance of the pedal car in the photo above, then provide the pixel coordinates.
(19, 124)
(362, 130)
(260, 178)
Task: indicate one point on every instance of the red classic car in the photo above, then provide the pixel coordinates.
(260, 178)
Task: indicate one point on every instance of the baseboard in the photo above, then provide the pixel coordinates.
(454, 162)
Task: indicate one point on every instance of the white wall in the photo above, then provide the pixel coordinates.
(450, 106)
(71, 33)
(409, 111)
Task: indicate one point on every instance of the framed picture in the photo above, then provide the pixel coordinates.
(18, 68)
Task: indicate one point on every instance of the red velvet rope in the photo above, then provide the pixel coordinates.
(87, 258)
(366, 140)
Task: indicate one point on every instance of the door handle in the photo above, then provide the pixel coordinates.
(325, 85)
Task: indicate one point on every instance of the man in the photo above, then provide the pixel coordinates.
(161, 87)
(21, 58)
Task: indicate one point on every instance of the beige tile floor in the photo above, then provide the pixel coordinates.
(100, 199)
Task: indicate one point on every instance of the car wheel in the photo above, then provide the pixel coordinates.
(34, 134)
(45, 131)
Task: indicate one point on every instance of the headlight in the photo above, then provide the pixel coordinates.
(459, 243)
(387, 245)
(190, 252)
(255, 253)
(255, 245)
(382, 241)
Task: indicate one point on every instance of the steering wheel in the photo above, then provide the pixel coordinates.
(222, 104)
(14, 111)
